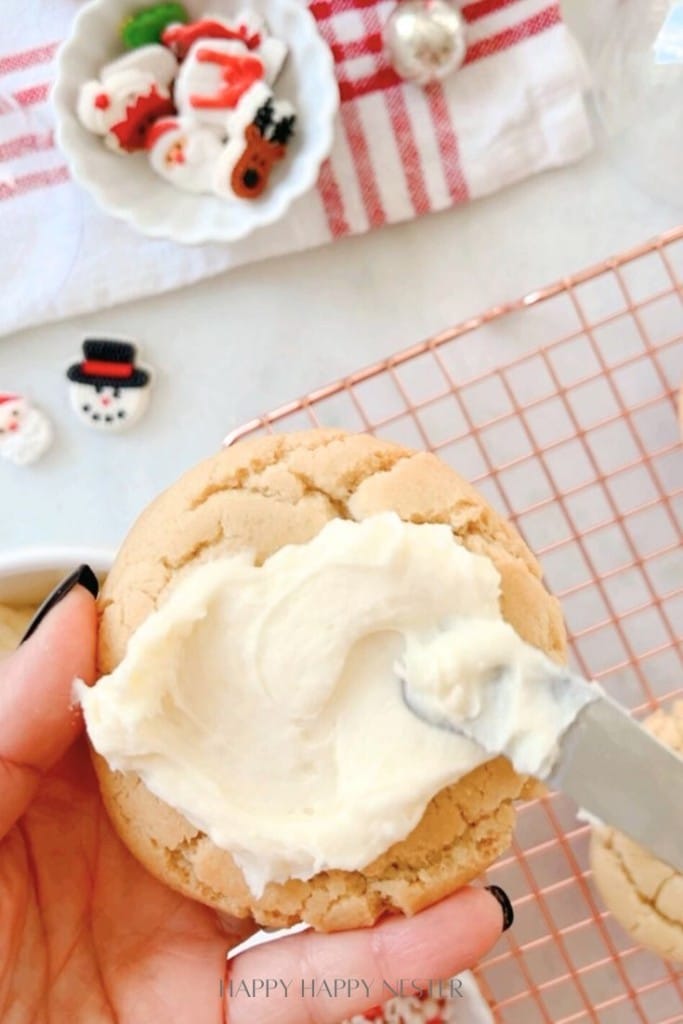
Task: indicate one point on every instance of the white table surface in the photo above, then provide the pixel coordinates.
(242, 343)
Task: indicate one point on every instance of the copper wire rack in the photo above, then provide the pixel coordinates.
(562, 409)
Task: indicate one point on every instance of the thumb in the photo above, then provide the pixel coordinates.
(37, 720)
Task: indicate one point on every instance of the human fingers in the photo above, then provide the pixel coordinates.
(37, 719)
(364, 967)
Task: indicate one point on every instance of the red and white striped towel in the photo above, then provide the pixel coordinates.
(516, 108)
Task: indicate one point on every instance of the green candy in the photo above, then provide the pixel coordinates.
(145, 26)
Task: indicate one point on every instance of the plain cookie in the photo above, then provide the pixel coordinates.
(263, 494)
(644, 894)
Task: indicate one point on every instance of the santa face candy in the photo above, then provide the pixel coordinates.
(184, 152)
(107, 390)
(25, 432)
(198, 97)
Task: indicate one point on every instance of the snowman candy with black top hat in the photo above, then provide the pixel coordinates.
(108, 391)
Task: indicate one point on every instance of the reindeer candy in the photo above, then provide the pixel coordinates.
(260, 131)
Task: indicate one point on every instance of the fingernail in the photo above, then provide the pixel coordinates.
(83, 576)
(505, 905)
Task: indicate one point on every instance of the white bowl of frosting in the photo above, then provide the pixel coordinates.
(127, 187)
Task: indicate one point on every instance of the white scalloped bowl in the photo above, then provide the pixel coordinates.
(127, 187)
(29, 574)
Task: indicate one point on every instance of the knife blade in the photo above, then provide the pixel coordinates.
(618, 772)
(603, 758)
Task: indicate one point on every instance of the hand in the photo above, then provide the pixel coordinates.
(87, 936)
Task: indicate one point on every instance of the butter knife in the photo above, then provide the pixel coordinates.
(609, 764)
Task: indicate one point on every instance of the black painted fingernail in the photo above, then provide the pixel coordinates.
(83, 576)
(505, 905)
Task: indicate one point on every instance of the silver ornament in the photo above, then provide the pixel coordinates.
(425, 40)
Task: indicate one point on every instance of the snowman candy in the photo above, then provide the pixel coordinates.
(107, 390)
(25, 432)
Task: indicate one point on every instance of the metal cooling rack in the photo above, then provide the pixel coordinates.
(562, 409)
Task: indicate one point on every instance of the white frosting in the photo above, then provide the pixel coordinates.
(264, 704)
(480, 678)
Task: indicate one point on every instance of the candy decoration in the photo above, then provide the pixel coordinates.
(25, 432)
(418, 1009)
(184, 153)
(211, 83)
(214, 76)
(180, 38)
(147, 25)
(154, 60)
(131, 132)
(210, 124)
(108, 392)
(131, 94)
(247, 161)
(425, 39)
(238, 73)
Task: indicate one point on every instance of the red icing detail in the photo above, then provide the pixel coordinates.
(13, 426)
(131, 133)
(102, 101)
(376, 1013)
(181, 37)
(103, 368)
(7, 397)
(159, 128)
(239, 73)
(105, 401)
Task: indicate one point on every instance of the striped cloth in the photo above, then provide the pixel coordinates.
(516, 108)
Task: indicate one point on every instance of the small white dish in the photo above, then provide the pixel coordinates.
(27, 576)
(127, 187)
